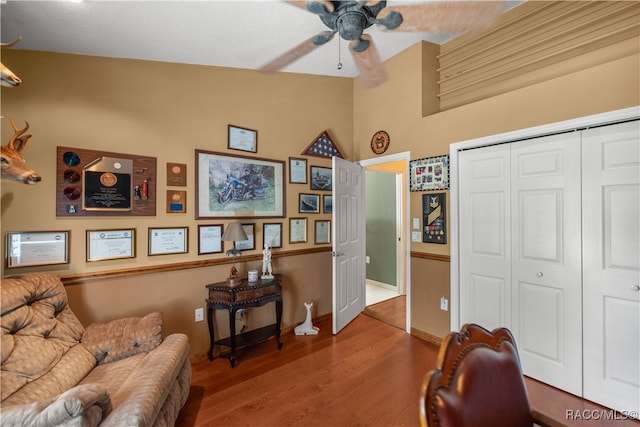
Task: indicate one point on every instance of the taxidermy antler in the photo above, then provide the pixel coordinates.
(8, 78)
(14, 167)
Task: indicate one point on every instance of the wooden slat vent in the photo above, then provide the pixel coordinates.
(535, 42)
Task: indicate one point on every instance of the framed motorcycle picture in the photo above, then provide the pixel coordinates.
(233, 186)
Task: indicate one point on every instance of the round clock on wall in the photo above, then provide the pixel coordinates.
(380, 142)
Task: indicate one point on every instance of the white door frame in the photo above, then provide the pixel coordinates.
(406, 156)
(454, 149)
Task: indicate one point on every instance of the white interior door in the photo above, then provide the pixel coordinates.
(546, 270)
(348, 237)
(485, 247)
(611, 221)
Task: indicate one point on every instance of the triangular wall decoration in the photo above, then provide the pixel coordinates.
(322, 146)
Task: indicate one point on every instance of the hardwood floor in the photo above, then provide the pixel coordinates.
(368, 375)
(391, 311)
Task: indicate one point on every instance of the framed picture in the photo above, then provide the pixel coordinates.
(243, 139)
(168, 240)
(322, 232)
(430, 173)
(297, 230)
(230, 186)
(327, 203)
(210, 239)
(308, 203)
(176, 201)
(321, 178)
(272, 234)
(29, 248)
(297, 170)
(111, 244)
(434, 218)
(250, 243)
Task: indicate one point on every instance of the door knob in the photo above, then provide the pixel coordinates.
(336, 254)
(635, 288)
(539, 274)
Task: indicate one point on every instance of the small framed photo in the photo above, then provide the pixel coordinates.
(297, 230)
(322, 232)
(327, 203)
(168, 240)
(308, 203)
(243, 139)
(250, 243)
(272, 234)
(321, 178)
(210, 239)
(111, 244)
(297, 170)
(25, 249)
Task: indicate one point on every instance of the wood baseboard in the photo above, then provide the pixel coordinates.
(425, 336)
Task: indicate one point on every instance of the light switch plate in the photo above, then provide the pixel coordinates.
(416, 236)
(416, 223)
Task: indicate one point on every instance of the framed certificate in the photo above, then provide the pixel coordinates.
(297, 170)
(297, 230)
(111, 244)
(322, 232)
(272, 234)
(210, 239)
(166, 240)
(243, 139)
(26, 249)
(250, 243)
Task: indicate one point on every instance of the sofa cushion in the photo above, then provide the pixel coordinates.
(38, 328)
(122, 338)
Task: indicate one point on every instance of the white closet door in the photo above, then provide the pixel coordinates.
(546, 258)
(485, 248)
(611, 245)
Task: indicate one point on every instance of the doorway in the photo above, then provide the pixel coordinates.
(387, 247)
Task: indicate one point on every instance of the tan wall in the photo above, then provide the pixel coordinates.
(393, 107)
(167, 111)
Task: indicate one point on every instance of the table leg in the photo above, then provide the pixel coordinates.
(232, 331)
(278, 321)
(211, 332)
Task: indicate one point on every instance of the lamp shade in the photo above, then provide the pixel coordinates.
(233, 232)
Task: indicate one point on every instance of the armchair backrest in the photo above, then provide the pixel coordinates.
(477, 382)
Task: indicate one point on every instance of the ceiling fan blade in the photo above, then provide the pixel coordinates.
(372, 71)
(317, 7)
(297, 52)
(453, 17)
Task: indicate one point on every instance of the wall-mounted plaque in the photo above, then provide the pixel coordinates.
(107, 184)
(176, 175)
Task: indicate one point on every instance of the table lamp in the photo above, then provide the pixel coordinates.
(232, 233)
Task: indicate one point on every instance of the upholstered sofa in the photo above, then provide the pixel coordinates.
(56, 372)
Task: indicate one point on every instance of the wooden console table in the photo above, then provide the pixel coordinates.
(233, 298)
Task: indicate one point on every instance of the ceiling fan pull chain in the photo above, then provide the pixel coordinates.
(339, 53)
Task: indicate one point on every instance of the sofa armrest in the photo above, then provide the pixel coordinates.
(124, 337)
(83, 405)
(141, 397)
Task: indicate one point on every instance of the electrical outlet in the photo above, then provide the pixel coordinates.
(444, 304)
(199, 314)
(367, 259)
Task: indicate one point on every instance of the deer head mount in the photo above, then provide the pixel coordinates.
(7, 76)
(14, 167)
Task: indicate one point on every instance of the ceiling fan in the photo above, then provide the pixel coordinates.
(350, 18)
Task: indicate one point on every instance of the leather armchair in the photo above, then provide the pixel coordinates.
(478, 382)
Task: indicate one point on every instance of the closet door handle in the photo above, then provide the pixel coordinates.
(539, 274)
(635, 288)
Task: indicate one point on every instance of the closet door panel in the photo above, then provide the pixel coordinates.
(485, 260)
(611, 246)
(546, 262)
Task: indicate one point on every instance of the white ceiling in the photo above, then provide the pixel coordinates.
(238, 34)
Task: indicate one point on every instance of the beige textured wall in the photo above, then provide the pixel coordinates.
(167, 111)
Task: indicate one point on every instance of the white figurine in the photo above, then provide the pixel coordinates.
(307, 327)
(266, 263)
